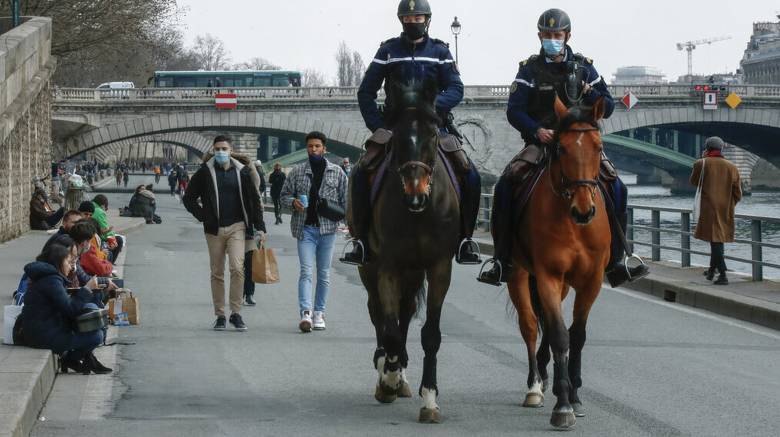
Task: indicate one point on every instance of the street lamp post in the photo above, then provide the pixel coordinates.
(15, 14)
(456, 31)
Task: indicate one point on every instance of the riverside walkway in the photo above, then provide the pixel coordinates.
(650, 367)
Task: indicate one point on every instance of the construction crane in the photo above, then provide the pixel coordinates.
(690, 46)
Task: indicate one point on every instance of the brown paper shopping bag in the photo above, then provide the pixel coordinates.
(265, 270)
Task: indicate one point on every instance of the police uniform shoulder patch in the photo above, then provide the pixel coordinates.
(438, 41)
(514, 87)
(530, 60)
(582, 58)
(387, 41)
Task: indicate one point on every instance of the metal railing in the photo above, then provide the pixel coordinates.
(758, 225)
(477, 92)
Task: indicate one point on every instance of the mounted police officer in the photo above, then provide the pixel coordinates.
(403, 59)
(555, 71)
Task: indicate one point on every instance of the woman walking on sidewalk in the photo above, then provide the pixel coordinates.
(721, 190)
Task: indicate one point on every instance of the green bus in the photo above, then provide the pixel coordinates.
(226, 79)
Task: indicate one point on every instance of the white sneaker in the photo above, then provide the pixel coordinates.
(305, 324)
(318, 321)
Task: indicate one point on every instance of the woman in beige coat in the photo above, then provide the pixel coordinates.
(721, 190)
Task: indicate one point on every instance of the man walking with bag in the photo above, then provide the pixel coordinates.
(720, 190)
(223, 197)
(316, 191)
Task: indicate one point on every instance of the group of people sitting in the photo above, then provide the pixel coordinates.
(143, 204)
(72, 275)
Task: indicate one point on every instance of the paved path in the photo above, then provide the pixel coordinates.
(650, 367)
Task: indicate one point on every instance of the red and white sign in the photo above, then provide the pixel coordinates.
(226, 101)
(630, 100)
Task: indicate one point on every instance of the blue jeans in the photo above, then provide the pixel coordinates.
(314, 247)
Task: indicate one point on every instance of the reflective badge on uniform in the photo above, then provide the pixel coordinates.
(514, 87)
(412, 4)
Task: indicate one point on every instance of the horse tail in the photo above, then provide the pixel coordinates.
(536, 301)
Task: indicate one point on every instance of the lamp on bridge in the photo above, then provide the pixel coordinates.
(455, 26)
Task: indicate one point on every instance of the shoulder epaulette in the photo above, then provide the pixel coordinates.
(387, 41)
(438, 41)
(582, 58)
(530, 60)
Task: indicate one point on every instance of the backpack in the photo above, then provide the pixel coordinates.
(21, 289)
(18, 332)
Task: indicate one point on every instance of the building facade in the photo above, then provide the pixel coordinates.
(638, 75)
(761, 61)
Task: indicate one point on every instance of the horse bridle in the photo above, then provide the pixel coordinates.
(568, 185)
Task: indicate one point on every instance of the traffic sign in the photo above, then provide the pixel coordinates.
(733, 100)
(629, 100)
(710, 101)
(226, 101)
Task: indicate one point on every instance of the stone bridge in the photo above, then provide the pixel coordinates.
(103, 120)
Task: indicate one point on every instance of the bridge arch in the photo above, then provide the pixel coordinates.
(345, 139)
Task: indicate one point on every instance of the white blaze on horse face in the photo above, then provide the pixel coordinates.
(429, 399)
(579, 139)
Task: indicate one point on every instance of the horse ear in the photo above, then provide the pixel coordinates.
(599, 109)
(561, 111)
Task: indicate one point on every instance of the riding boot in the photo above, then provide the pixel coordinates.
(617, 271)
(501, 227)
(471, 192)
(360, 213)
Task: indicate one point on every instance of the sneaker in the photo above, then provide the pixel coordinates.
(237, 322)
(305, 324)
(722, 280)
(249, 301)
(220, 324)
(318, 321)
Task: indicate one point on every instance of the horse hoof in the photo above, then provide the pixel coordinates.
(534, 400)
(563, 419)
(430, 415)
(405, 391)
(384, 397)
(579, 411)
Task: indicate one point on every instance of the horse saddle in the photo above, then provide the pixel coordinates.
(376, 179)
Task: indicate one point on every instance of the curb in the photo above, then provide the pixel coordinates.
(722, 302)
(30, 398)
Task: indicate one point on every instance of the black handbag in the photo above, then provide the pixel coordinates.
(330, 210)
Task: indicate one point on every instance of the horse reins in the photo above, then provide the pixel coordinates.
(568, 185)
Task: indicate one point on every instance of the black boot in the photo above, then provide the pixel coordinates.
(501, 227)
(67, 363)
(91, 364)
(709, 274)
(722, 279)
(360, 214)
(249, 300)
(468, 251)
(618, 273)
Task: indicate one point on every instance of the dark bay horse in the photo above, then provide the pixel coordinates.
(414, 237)
(562, 241)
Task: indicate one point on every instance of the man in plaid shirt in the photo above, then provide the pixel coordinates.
(308, 183)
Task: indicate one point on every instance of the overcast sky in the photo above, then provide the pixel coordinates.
(496, 34)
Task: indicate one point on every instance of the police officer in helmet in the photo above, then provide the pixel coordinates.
(555, 71)
(404, 59)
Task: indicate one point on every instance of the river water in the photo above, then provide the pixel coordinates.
(759, 204)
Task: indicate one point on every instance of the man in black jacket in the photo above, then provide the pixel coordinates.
(222, 196)
(277, 179)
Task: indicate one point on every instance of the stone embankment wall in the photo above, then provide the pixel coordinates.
(26, 67)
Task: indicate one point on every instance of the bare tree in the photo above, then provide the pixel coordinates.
(211, 53)
(257, 63)
(311, 77)
(349, 66)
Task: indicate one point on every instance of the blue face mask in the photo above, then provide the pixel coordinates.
(222, 157)
(553, 47)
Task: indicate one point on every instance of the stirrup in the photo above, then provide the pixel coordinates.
(355, 243)
(641, 263)
(491, 262)
(478, 252)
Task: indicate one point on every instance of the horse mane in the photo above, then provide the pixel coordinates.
(577, 114)
(423, 103)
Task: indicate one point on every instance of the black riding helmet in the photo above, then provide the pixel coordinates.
(414, 7)
(554, 20)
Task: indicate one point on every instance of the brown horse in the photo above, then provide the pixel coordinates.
(414, 236)
(562, 241)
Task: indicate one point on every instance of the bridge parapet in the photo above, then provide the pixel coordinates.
(500, 93)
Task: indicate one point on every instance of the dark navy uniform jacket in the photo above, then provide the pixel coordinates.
(403, 61)
(525, 90)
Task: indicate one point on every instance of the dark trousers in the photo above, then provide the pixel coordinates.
(249, 285)
(55, 218)
(717, 257)
(277, 207)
